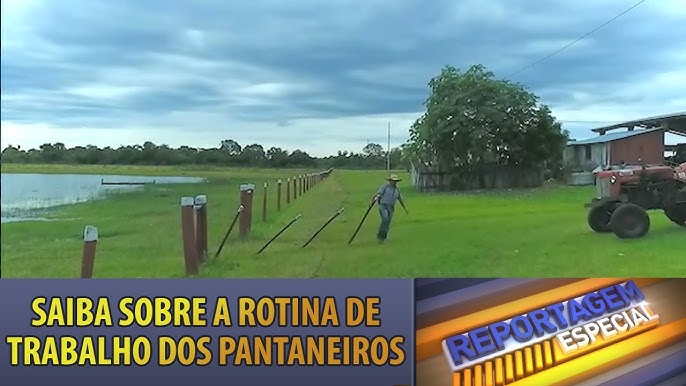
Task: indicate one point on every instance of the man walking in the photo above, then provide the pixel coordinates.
(386, 197)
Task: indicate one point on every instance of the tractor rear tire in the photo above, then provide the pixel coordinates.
(630, 221)
(677, 214)
(599, 217)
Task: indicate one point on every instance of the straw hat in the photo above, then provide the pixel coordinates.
(393, 177)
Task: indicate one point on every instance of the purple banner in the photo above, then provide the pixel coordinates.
(231, 331)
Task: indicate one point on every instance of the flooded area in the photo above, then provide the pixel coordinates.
(27, 197)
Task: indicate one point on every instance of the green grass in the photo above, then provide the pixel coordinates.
(526, 233)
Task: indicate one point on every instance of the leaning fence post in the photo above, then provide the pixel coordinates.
(90, 241)
(201, 227)
(190, 248)
(228, 231)
(288, 190)
(278, 195)
(264, 203)
(245, 220)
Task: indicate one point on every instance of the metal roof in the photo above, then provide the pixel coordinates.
(612, 137)
(674, 123)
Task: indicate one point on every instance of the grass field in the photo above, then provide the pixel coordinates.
(528, 233)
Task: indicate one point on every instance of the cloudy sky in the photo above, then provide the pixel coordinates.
(319, 75)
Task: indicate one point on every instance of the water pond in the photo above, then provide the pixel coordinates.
(26, 196)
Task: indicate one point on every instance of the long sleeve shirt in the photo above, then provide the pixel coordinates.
(389, 194)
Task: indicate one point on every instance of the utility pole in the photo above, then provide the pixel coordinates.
(388, 149)
(366, 169)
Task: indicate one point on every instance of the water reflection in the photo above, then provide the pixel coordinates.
(26, 196)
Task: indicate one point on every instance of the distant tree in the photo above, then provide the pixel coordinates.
(300, 158)
(231, 147)
(277, 157)
(396, 158)
(373, 150)
(51, 154)
(253, 154)
(149, 153)
(12, 154)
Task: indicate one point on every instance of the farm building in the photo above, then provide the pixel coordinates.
(612, 149)
(642, 139)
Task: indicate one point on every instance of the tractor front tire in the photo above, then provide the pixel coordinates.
(677, 214)
(630, 221)
(599, 217)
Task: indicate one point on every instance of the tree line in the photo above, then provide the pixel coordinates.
(228, 153)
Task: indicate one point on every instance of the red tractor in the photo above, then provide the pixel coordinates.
(626, 193)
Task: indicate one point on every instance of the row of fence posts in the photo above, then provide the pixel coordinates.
(195, 227)
(194, 224)
(301, 184)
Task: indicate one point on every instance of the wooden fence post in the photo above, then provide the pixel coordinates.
(295, 188)
(190, 246)
(288, 190)
(245, 220)
(278, 195)
(201, 227)
(90, 242)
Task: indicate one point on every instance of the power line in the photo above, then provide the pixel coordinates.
(577, 40)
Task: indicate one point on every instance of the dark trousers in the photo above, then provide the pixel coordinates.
(386, 213)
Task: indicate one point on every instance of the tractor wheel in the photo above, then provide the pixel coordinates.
(677, 214)
(599, 217)
(630, 221)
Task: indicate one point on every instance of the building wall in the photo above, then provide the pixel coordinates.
(587, 157)
(600, 154)
(649, 146)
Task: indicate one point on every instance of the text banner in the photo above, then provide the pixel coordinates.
(235, 331)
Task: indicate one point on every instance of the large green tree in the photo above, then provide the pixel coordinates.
(473, 119)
